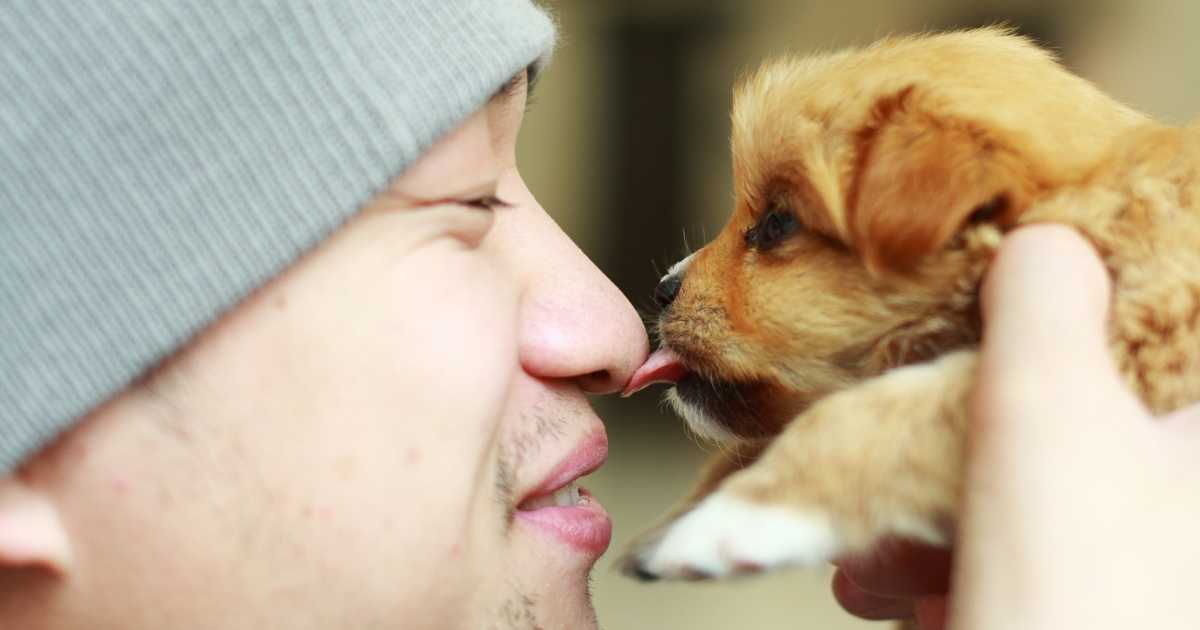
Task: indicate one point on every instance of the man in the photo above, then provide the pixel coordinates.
(384, 433)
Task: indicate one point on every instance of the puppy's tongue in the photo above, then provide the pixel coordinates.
(662, 367)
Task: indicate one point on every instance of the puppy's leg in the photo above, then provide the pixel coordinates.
(732, 458)
(881, 458)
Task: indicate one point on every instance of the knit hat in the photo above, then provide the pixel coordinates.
(159, 161)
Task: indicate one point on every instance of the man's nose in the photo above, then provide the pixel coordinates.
(575, 323)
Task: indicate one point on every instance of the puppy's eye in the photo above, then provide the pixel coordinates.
(774, 226)
(751, 237)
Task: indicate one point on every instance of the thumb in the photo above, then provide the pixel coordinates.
(1051, 478)
(1044, 305)
(1046, 292)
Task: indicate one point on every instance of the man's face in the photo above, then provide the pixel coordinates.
(369, 440)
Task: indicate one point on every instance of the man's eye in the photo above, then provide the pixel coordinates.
(487, 203)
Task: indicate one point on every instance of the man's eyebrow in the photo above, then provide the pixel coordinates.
(507, 90)
(510, 87)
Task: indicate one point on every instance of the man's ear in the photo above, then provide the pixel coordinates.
(32, 534)
(922, 176)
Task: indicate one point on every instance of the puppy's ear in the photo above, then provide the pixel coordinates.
(922, 176)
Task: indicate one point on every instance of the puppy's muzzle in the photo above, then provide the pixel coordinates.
(669, 286)
(667, 290)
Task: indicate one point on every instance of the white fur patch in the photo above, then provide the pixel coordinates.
(700, 423)
(725, 536)
(681, 266)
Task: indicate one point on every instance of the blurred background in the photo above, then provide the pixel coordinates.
(626, 146)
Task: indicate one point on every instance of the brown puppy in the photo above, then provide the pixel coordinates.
(827, 336)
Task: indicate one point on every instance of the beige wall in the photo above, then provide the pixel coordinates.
(1145, 52)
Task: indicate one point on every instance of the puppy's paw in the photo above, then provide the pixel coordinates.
(725, 536)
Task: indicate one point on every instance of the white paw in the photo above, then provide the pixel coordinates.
(724, 536)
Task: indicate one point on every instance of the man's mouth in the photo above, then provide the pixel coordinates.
(565, 496)
(562, 510)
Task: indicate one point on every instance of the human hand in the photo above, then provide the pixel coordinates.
(897, 580)
(1080, 509)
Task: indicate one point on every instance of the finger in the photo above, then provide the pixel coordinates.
(900, 568)
(1046, 293)
(1046, 396)
(1044, 304)
(868, 605)
(1182, 427)
(931, 612)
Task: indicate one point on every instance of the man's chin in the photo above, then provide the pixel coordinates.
(554, 551)
(568, 605)
(571, 610)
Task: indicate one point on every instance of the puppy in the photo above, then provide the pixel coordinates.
(828, 336)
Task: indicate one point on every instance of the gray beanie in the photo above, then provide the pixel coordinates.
(160, 160)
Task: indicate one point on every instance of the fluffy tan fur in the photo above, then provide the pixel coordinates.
(846, 344)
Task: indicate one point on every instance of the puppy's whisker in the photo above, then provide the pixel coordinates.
(647, 309)
(735, 456)
(703, 443)
(738, 393)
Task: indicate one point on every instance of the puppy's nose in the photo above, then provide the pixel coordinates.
(667, 290)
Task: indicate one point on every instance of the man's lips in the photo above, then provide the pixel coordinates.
(569, 513)
(586, 526)
(662, 367)
(584, 460)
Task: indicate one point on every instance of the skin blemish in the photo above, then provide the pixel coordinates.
(121, 485)
(346, 466)
(413, 455)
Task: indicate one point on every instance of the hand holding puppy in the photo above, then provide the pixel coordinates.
(1080, 509)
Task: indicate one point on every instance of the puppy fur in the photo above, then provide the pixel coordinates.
(831, 328)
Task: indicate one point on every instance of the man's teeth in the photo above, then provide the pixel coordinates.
(569, 495)
(565, 496)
